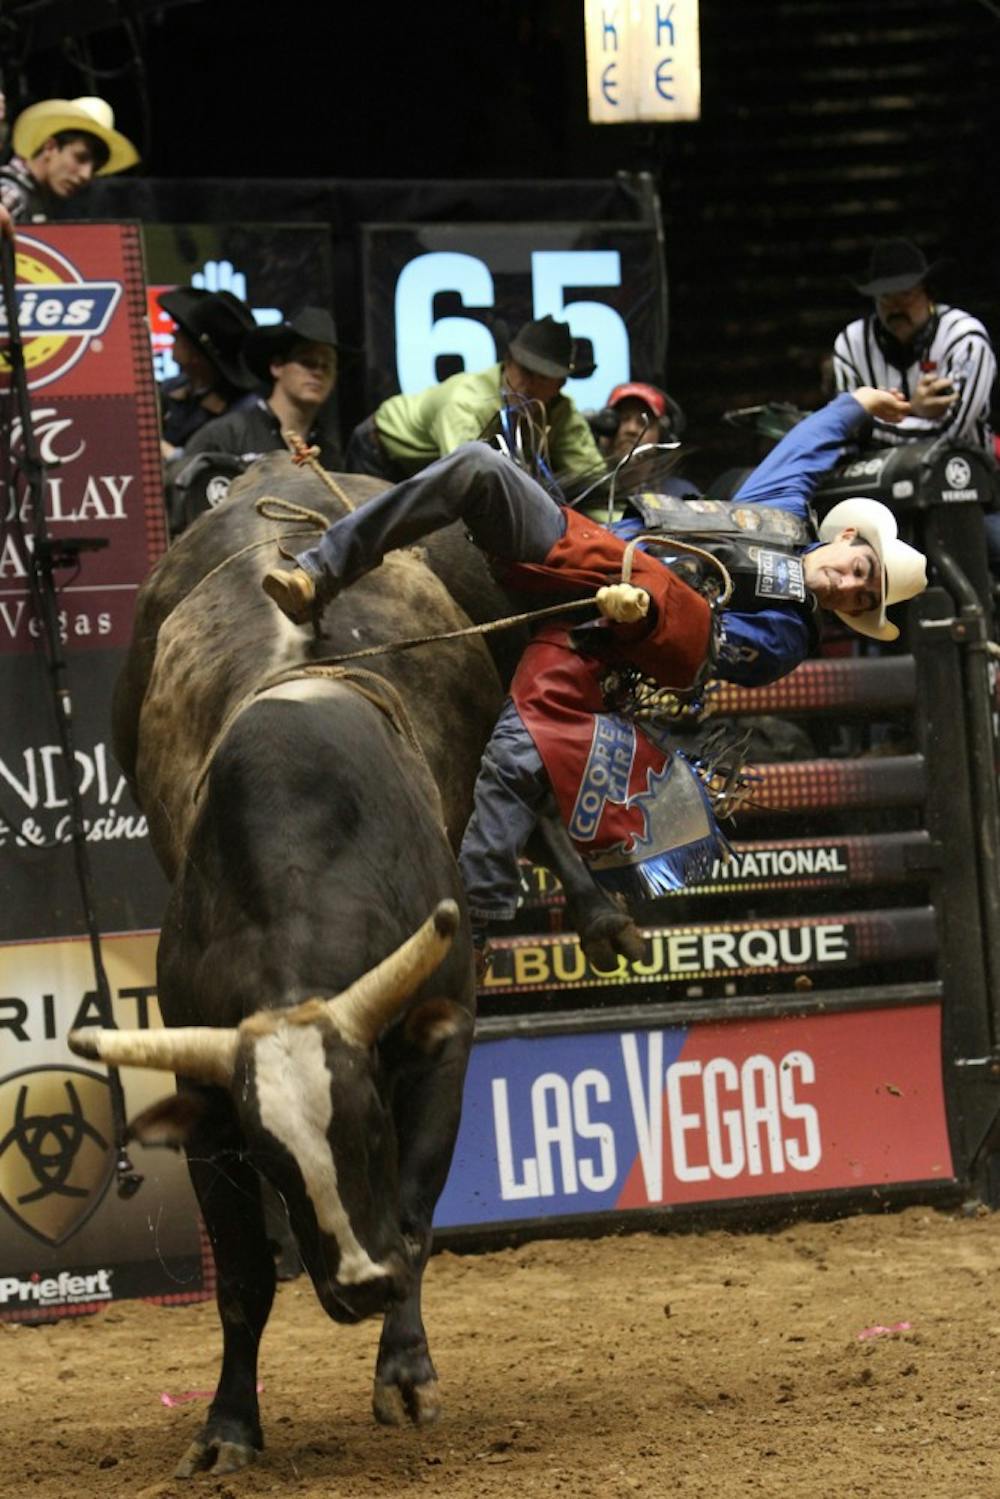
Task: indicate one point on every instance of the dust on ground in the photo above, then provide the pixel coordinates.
(714, 1364)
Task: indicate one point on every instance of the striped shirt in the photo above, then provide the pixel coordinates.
(960, 351)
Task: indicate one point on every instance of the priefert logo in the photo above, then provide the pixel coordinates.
(56, 1290)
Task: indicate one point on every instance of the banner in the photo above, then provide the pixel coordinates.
(67, 1241)
(643, 61)
(783, 864)
(617, 1121)
(274, 268)
(81, 308)
(433, 294)
(724, 950)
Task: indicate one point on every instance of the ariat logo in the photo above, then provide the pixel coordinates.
(56, 1155)
(58, 312)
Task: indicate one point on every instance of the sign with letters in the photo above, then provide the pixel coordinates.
(435, 293)
(616, 1121)
(274, 268)
(67, 1242)
(643, 61)
(81, 304)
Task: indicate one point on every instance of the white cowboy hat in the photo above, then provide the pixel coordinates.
(903, 569)
(35, 124)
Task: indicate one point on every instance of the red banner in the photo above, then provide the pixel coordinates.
(81, 312)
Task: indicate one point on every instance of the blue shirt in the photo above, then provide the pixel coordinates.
(759, 646)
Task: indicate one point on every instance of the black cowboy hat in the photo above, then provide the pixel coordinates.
(218, 323)
(895, 265)
(311, 325)
(546, 347)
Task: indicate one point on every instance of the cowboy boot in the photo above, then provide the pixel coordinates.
(295, 592)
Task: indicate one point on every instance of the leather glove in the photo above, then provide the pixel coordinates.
(623, 603)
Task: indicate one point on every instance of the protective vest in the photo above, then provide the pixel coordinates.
(759, 545)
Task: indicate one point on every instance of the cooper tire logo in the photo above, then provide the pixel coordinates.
(58, 312)
(957, 473)
(56, 1157)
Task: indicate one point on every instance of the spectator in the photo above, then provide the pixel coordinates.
(60, 145)
(298, 359)
(631, 431)
(517, 402)
(938, 356)
(644, 414)
(211, 327)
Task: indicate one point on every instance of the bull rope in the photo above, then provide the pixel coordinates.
(547, 613)
(303, 454)
(385, 696)
(378, 691)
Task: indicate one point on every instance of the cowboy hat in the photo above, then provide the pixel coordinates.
(895, 265)
(902, 569)
(217, 322)
(545, 347)
(94, 116)
(311, 325)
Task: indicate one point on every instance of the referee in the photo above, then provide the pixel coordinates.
(939, 357)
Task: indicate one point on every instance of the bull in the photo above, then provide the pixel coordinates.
(307, 820)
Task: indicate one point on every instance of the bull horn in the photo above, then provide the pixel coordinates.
(374, 999)
(204, 1053)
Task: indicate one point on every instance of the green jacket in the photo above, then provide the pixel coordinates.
(416, 429)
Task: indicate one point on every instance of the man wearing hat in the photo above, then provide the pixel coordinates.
(939, 357)
(517, 403)
(208, 339)
(645, 414)
(654, 614)
(59, 146)
(297, 360)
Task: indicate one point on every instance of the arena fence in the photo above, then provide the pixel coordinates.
(815, 1027)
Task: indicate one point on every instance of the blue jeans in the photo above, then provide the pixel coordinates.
(510, 789)
(506, 513)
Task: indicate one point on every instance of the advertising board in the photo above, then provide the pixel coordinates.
(67, 1241)
(620, 1121)
(439, 298)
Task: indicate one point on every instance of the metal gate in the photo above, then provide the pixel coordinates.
(815, 1026)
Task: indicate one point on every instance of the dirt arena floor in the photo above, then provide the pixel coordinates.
(856, 1357)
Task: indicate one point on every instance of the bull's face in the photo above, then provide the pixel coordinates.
(317, 1126)
(315, 1122)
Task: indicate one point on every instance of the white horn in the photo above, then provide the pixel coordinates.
(201, 1052)
(364, 1009)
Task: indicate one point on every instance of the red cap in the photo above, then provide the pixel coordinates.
(648, 394)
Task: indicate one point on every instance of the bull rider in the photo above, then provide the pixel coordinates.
(636, 809)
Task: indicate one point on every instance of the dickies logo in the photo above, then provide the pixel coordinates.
(58, 312)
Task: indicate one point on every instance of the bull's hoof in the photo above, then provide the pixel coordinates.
(611, 935)
(395, 1404)
(215, 1455)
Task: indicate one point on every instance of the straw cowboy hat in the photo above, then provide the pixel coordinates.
(35, 124)
(903, 568)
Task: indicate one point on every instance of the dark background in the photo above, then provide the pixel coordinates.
(825, 126)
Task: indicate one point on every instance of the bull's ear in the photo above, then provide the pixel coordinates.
(430, 1025)
(168, 1122)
